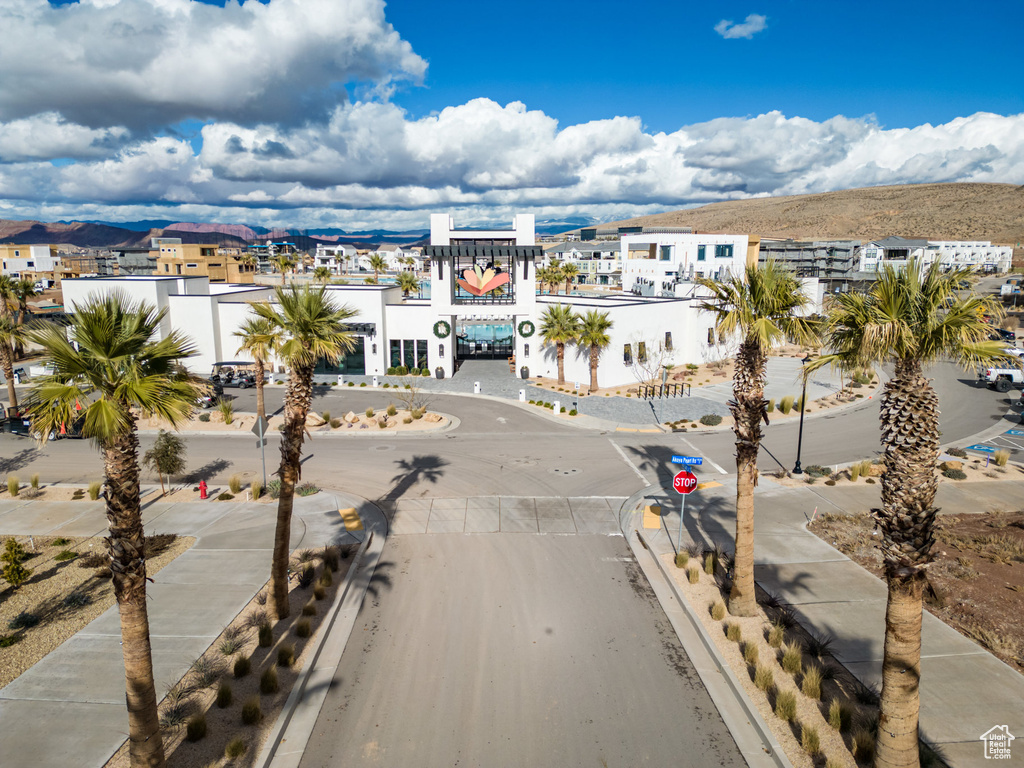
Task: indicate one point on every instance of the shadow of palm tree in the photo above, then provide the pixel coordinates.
(207, 472)
(22, 458)
(427, 469)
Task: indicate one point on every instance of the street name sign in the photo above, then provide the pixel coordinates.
(689, 461)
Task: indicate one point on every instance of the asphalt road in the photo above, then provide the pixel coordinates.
(515, 650)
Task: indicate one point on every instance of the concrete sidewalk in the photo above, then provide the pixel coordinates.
(965, 690)
(68, 709)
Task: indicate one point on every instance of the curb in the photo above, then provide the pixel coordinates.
(301, 710)
(753, 737)
(454, 422)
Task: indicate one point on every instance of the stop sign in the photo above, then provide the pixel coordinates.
(685, 482)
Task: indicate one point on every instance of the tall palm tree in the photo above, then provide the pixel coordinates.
(283, 263)
(559, 326)
(378, 264)
(408, 282)
(10, 335)
(24, 290)
(569, 272)
(593, 333)
(910, 318)
(761, 305)
(260, 338)
(109, 361)
(312, 328)
(322, 275)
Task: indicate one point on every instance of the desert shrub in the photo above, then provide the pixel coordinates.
(306, 576)
(960, 453)
(205, 672)
(34, 482)
(94, 490)
(236, 747)
(771, 405)
(285, 656)
(319, 592)
(309, 609)
(1001, 457)
(60, 541)
(266, 636)
(709, 564)
(229, 646)
(369, 413)
(204, 417)
(682, 558)
(225, 497)
(750, 654)
(256, 487)
(764, 679)
(785, 705)
(268, 681)
(838, 715)
(391, 370)
(303, 628)
(76, 600)
(734, 632)
(13, 485)
(361, 384)
(335, 423)
(811, 684)
(330, 558)
(573, 412)
(243, 665)
(6, 641)
(816, 470)
(407, 420)
(863, 746)
(14, 572)
(402, 371)
(786, 404)
(792, 658)
(809, 739)
(251, 712)
(854, 471)
(955, 474)
(417, 414)
(227, 410)
(392, 410)
(693, 574)
(65, 555)
(196, 728)
(274, 488)
(235, 484)
(830, 482)
(718, 610)
(307, 489)
(710, 419)
(224, 696)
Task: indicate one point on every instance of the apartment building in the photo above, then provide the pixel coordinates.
(174, 259)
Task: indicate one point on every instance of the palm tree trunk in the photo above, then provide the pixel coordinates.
(897, 745)
(748, 409)
(296, 408)
(560, 347)
(261, 379)
(6, 361)
(127, 548)
(595, 353)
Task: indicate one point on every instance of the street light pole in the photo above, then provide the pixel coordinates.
(797, 469)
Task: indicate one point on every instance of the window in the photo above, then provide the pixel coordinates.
(666, 253)
(167, 267)
(668, 340)
(421, 353)
(191, 266)
(723, 251)
(627, 354)
(178, 268)
(711, 336)
(641, 352)
(30, 263)
(701, 249)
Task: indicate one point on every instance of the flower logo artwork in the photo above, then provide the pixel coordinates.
(478, 281)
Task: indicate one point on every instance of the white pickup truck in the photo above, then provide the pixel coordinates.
(1002, 379)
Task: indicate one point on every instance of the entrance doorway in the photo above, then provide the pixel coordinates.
(484, 341)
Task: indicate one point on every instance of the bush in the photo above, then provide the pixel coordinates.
(838, 715)
(734, 632)
(362, 384)
(243, 665)
(776, 635)
(750, 654)
(863, 746)
(811, 684)
(307, 489)
(274, 488)
(764, 679)
(76, 600)
(335, 423)
(1001, 457)
(251, 712)
(34, 482)
(225, 497)
(369, 413)
(256, 487)
(391, 409)
(809, 739)
(235, 484)
(319, 592)
(303, 628)
(816, 470)
(204, 417)
(13, 485)
(960, 453)
(94, 490)
(854, 472)
(391, 370)
(573, 412)
(785, 705)
(309, 609)
(786, 404)
(195, 730)
(792, 658)
(709, 564)
(65, 555)
(268, 681)
(682, 558)
(224, 696)
(417, 414)
(6, 641)
(710, 419)
(266, 636)
(236, 747)
(771, 405)
(227, 410)
(693, 574)
(955, 474)
(14, 572)
(718, 610)
(285, 658)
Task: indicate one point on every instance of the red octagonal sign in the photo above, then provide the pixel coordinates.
(685, 482)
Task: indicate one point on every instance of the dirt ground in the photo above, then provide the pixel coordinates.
(401, 421)
(978, 574)
(64, 595)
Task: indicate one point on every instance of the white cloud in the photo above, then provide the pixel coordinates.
(48, 136)
(750, 26)
(147, 63)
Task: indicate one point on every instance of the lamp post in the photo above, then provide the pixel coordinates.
(797, 469)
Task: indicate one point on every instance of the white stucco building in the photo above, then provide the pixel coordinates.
(483, 303)
(654, 264)
(976, 255)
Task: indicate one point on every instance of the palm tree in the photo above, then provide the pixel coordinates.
(569, 272)
(110, 361)
(559, 326)
(910, 318)
(260, 338)
(593, 333)
(10, 335)
(322, 275)
(378, 264)
(762, 305)
(24, 290)
(555, 274)
(408, 282)
(283, 263)
(312, 329)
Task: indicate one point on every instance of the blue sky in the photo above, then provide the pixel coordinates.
(353, 113)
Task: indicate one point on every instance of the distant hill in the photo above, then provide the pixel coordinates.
(934, 211)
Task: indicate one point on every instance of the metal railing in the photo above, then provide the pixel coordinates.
(654, 391)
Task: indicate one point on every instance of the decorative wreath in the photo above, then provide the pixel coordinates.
(442, 329)
(526, 329)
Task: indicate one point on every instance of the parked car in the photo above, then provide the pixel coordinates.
(1001, 334)
(1002, 379)
(15, 422)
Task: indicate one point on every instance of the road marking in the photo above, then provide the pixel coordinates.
(652, 516)
(980, 448)
(696, 450)
(625, 458)
(351, 519)
(708, 485)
